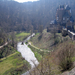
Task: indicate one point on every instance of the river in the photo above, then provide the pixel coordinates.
(27, 53)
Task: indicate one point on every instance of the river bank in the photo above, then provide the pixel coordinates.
(27, 54)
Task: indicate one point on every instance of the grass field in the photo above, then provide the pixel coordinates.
(13, 63)
(22, 36)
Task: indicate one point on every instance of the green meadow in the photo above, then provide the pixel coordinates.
(22, 36)
(13, 65)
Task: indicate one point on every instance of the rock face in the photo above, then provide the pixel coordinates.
(22, 43)
(72, 72)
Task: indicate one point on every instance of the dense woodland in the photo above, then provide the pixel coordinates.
(16, 16)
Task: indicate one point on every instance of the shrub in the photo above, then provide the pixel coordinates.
(44, 68)
(65, 56)
(56, 41)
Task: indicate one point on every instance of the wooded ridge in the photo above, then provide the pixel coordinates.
(16, 16)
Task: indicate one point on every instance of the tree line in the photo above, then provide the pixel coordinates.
(16, 16)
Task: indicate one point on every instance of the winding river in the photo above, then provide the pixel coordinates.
(27, 53)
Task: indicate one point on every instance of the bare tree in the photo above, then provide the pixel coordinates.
(13, 39)
(65, 56)
(31, 29)
(41, 28)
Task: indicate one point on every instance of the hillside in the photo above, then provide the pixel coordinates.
(16, 16)
(47, 41)
(14, 64)
(11, 61)
(57, 62)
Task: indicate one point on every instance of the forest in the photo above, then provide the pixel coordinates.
(16, 16)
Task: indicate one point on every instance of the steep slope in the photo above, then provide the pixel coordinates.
(58, 62)
(17, 16)
(47, 41)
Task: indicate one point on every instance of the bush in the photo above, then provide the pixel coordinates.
(56, 41)
(6, 50)
(65, 56)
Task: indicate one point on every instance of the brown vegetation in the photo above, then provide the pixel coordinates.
(63, 55)
(57, 61)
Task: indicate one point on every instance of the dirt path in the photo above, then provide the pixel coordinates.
(4, 45)
(29, 43)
